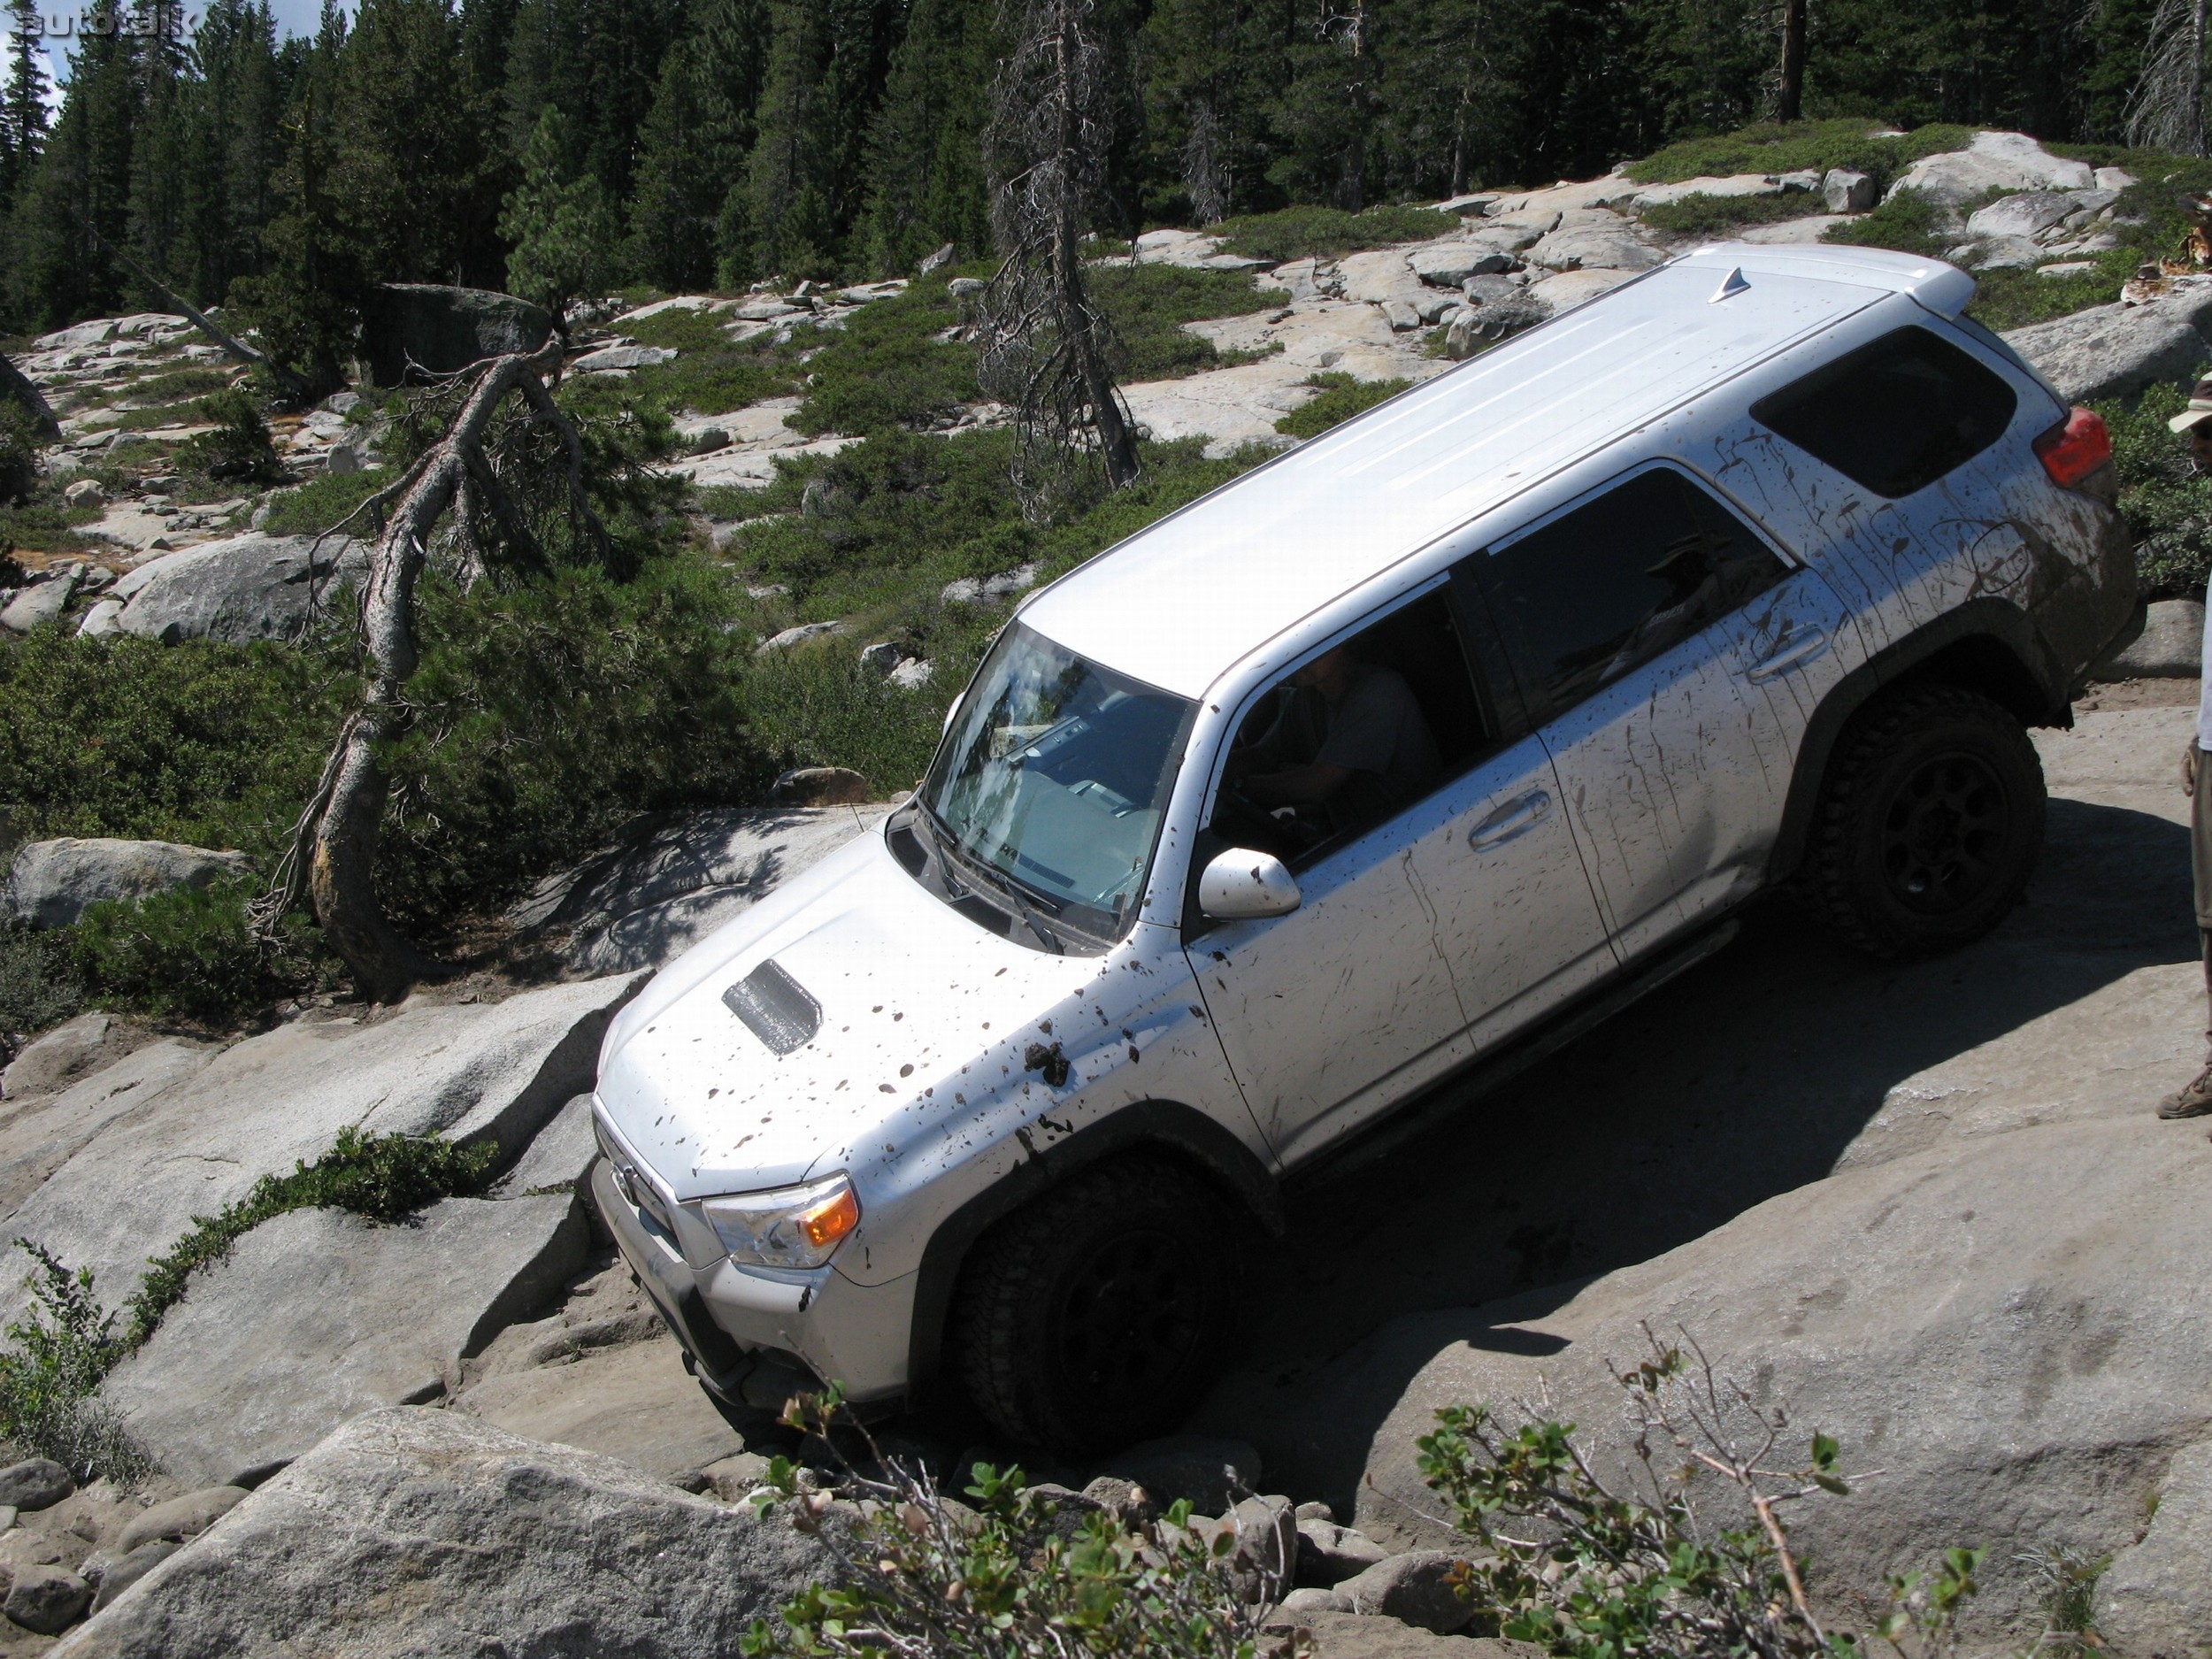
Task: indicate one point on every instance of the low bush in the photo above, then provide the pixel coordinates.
(1798, 147)
(38, 984)
(712, 374)
(1149, 303)
(19, 455)
(2167, 503)
(1908, 221)
(239, 450)
(887, 367)
(822, 707)
(175, 385)
(313, 507)
(1702, 215)
(1298, 233)
(991, 1579)
(188, 954)
(1342, 396)
(50, 1379)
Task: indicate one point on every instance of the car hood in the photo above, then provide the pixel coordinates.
(911, 996)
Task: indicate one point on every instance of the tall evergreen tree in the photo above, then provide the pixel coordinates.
(924, 163)
(1213, 70)
(559, 221)
(23, 98)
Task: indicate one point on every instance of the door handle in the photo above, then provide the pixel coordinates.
(1790, 654)
(1515, 817)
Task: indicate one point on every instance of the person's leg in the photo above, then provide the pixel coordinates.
(2196, 1100)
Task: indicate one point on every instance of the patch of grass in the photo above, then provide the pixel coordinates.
(1703, 215)
(2013, 299)
(886, 367)
(312, 508)
(384, 1178)
(50, 1379)
(2166, 504)
(712, 374)
(1909, 222)
(1342, 396)
(45, 523)
(1798, 147)
(821, 707)
(1296, 233)
(1149, 303)
(176, 386)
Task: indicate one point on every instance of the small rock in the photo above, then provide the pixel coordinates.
(1798, 183)
(1207, 1472)
(936, 261)
(794, 636)
(344, 403)
(765, 311)
(1068, 1510)
(736, 1478)
(1307, 1601)
(710, 439)
(86, 492)
(344, 461)
(1329, 1553)
(103, 618)
(1848, 192)
(37, 1483)
(912, 675)
(1400, 315)
(41, 603)
(120, 1575)
(627, 356)
(1127, 1501)
(1315, 1511)
(883, 655)
(1417, 1588)
(963, 288)
(2066, 268)
(970, 590)
(819, 786)
(178, 1518)
(47, 1599)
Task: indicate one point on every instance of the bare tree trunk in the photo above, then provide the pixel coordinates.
(236, 349)
(1789, 104)
(2166, 109)
(333, 857)
(1204, 175)
(1114, 444)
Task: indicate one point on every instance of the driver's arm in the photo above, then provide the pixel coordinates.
(1310, 785)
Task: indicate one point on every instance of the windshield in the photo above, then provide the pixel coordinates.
(1053, 777)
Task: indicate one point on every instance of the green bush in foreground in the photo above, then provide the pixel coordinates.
(38, 983)
(188, 953)
(2166, 504)
(50, 1379)
(921, 1574)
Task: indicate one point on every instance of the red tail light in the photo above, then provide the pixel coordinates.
(2074, 449)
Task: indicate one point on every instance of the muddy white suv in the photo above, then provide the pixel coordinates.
(1399, 756)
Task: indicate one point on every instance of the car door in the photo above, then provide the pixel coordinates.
(1362, 996)
(1672, 658)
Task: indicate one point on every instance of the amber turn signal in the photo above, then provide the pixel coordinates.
(830, 1219)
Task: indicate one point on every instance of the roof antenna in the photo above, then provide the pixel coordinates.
(1731, 285)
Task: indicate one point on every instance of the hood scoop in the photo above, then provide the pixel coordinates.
(775, 1008)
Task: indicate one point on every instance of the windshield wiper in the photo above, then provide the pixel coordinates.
(962, 864)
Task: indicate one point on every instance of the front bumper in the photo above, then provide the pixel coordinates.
(754, 1340)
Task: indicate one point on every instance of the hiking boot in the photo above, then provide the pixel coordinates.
(2193, 1101)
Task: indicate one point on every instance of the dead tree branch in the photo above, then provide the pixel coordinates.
(332, 857)
(237, 349)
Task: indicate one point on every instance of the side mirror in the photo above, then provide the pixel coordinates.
(1241, 885)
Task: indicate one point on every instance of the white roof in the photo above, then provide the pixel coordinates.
(1183, 600)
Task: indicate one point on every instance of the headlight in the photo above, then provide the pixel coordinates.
(792, 1226)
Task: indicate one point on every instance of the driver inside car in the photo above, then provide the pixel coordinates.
(1348, 746)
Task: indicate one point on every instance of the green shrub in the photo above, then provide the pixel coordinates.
(712, 374)
(2013, 299)
(1798, 147)
(239, 449)
(19, 455)
(208, 744)
(384, 1178)
(176, 384)
(2167, 504)
(996, 1581)
(188, 954)
(1908, 221)
(312, 508)
(1702, 215)
(49, 1379)
(822, 708)
(1297, 233)
(1342, 396)
(886, 367)
(38, 983)
(1149, 303)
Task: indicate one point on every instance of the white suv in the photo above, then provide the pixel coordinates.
(1754, 569)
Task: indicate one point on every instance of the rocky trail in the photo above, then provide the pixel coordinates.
(1924, 1209)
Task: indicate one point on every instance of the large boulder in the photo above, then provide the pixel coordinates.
(415, 1532)
(417, 328)
(17, 390)
(1992, 161)
(39, 1136)
(675, 878)
(2155, 1599)
(247, 587)
(2116, 350)
(317, 1316)
(477, 1072)
(54, 881)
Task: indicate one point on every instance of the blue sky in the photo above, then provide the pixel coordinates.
(294, 17)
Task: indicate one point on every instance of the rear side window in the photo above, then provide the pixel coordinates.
(1894, 415)
(1619, 581)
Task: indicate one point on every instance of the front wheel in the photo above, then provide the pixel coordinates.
(1093, 1316)
(1930, 823)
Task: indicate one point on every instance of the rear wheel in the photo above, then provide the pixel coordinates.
(1930, 824)
(1093, 1316)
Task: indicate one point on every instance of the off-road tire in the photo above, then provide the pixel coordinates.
(1094, 1314)
(1930, 823)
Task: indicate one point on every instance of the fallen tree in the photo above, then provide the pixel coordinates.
(482, 495)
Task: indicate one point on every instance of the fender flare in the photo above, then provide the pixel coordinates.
(1168, 1125)
(2040, 697)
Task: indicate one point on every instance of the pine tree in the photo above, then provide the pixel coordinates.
(559, 222)
(925, 159)
(1212, 68)
(23, 99)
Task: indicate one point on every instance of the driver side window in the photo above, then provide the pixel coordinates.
(1354, 737)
